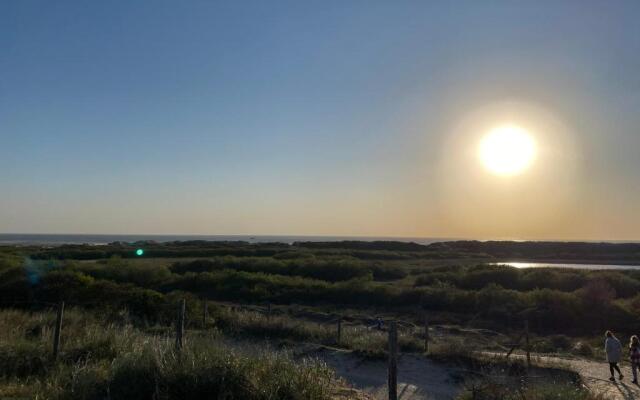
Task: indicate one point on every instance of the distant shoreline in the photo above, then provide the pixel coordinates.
(101, 239)
(9, 239)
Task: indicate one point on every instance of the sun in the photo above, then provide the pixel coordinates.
(507, 150)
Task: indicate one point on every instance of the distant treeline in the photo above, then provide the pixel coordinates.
(201, 248)
(623, 253)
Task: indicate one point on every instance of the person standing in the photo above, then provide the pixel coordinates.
(634, 357)
(613, 348)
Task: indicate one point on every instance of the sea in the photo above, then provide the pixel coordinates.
(597, 267)
(58, 239)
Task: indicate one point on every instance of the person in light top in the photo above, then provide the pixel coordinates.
(613, 348)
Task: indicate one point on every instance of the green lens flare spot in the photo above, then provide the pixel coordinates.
(139, 252)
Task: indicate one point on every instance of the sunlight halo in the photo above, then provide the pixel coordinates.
(507, 150)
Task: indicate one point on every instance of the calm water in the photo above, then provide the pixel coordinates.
(560, 265)
(45, 239)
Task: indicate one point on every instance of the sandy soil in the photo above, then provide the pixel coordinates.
(596, 377)
(418, 377)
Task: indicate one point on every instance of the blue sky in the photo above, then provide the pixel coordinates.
(332, 117)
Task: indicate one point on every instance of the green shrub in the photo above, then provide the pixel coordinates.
(22, 359)
(148, 275)
(327, 269)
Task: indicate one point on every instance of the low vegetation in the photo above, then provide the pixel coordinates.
(569, 302)
(137, 297)
(106, 359)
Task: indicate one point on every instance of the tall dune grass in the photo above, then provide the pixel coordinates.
(116, 361)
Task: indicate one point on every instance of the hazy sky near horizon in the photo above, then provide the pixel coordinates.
(318, 117)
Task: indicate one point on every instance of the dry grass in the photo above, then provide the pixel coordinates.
(368, 342)
(117, 361)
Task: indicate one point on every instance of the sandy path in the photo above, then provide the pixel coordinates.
(418, 377)
(422, 379)
(595, 376)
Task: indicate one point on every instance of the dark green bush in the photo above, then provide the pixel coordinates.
(23, 359)
(331, 269)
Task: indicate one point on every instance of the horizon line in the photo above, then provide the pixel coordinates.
(365, 237)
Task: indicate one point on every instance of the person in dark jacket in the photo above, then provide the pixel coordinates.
(634, 357)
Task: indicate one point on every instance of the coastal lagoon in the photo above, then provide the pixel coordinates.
(520, 264)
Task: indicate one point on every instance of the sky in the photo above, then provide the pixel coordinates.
(318, 117)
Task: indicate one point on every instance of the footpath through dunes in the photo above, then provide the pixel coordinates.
(595, 375)
(418, 377)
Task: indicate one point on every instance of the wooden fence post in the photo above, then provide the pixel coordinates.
(268, 311)
(526, 338)
(426, 333)
(339, 332)
(58, 331)
(205, 313)
(393, 361)
(180, 325)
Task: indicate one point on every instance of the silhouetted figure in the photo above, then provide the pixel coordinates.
(613, 348)
(634, 357)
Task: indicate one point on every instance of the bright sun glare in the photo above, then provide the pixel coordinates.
(507, 150)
